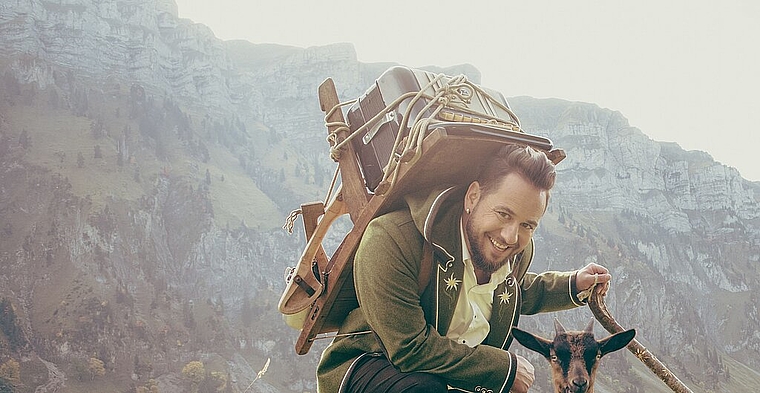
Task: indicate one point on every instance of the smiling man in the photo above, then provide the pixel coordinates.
(452, 332)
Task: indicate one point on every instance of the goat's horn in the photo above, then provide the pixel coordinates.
(558, 326)
(590, 327)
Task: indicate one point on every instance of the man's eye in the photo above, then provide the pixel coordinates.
(528, 227)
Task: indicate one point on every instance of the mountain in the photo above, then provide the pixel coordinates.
(147, 167)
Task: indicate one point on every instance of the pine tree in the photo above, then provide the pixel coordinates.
(24, 140)
(8, 325)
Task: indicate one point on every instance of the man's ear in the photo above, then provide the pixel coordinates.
(472, 196)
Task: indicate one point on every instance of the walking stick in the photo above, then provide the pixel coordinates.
(599, 309)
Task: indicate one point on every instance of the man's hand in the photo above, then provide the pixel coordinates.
(593, 274)
(524, 378)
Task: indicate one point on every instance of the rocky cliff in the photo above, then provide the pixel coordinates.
(148, 166)
(679, 230)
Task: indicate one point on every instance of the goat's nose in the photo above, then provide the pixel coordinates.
(580, 382)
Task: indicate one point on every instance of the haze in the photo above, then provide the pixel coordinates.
(681, 71)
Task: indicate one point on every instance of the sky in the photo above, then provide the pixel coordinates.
(680, 71)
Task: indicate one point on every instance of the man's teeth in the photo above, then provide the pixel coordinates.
(498, 245)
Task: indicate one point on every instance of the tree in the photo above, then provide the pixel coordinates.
(8, 325)
(213, 382)
(150, 387)
(97, 128)
(53, 98)
(219, 306)
(10, 372)
(195, 372)
(12, 86)
(5, 386)
(96, 367)
(188, 318)
(24, 140)
(246, 312)
(79, 102)
(5, 144)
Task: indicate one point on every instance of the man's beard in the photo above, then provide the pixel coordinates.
(477, 256)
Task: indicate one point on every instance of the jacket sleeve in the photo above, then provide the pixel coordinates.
(386, 267)
(549, 291)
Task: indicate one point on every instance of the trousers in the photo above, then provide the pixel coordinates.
(375, 374)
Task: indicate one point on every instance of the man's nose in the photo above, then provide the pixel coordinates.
(510, 233)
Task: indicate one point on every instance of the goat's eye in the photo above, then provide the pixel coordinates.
(553, 358)
(599, 356)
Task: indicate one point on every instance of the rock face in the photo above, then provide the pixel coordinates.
(613, 166)
(141, 41)
(680, 232)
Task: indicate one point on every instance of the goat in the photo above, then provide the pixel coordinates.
(573, 355)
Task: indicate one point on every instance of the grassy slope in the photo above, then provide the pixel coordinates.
(58, 137)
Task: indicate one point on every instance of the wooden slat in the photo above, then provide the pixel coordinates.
(354, 191)
(311, 213)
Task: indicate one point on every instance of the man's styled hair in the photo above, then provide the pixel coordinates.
(531, 164)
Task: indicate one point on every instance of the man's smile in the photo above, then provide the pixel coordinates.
(497, 245)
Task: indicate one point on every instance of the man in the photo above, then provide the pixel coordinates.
(454, 334)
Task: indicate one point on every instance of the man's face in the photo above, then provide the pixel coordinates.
(501, 223)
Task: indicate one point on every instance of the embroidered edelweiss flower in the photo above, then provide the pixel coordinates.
(505, 297)
(452, 282)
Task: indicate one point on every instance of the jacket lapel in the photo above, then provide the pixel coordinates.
(504, 312)
(507, 300)
(449, 275)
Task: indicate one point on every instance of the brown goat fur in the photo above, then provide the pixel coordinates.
(573, 355)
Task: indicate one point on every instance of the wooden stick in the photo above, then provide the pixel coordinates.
(599, 309)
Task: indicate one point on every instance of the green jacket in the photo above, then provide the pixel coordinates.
(409, 328)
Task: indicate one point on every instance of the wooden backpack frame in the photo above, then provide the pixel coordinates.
(323, 310)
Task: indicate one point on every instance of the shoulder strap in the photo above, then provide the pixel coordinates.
(426, 266)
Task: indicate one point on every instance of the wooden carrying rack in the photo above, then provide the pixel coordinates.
(315, 270)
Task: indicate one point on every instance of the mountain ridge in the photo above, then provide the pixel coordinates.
(203, 155)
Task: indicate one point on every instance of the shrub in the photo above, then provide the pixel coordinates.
(96, 367)
(194, 371)
(10, 374)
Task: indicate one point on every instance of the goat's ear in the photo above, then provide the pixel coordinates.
(590, 327)
(616, 341)
(532, 342)
(558, 328)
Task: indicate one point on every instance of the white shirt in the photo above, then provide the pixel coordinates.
(469, 324)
